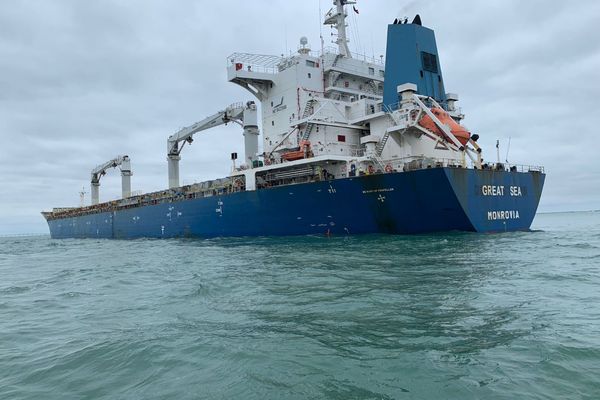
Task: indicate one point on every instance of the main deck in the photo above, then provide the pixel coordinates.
(419, 201)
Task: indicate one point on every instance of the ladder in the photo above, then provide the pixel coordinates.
(380, 146)
(378, 161)
(390, 113)
(307, 131)
(335, 61)
(374, 87)
(309, 110)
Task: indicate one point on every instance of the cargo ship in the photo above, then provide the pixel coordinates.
(350, 145)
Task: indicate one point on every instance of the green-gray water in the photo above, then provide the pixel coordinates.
(458, 316)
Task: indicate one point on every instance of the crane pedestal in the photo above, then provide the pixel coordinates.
(95, 193)
(126, 184)
(173, 161)
(251, 134)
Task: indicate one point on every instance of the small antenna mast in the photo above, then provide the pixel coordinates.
(82, 197)
(287, 53)
(322, 48)
(372, 46)
(320, 25)
(508, 149)
(498, 150)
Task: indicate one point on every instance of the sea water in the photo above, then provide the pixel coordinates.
(445, 316)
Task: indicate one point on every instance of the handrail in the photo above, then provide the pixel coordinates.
(270, 63)
(255, 62)
(358, 56)
(430, 162)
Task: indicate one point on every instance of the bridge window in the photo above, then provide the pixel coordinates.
(429, 62)
(310, 64)
(371, 71)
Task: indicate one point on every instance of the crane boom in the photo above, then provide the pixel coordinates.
(242, 114)
(125, 163)
(231, 113)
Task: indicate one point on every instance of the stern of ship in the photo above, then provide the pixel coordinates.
(498, 200)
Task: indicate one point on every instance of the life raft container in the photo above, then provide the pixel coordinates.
(457, 129)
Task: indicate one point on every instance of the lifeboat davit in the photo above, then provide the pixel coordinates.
(457, 129)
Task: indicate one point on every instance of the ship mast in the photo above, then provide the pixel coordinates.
(336, 17)
(82, 197)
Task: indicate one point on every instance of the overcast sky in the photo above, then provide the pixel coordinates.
(83, 81)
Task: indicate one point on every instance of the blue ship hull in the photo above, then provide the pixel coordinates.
(429, 200)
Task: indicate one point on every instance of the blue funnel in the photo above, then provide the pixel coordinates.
(412, 57)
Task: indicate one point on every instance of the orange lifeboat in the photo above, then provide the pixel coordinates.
(302, 152)
(457, 129)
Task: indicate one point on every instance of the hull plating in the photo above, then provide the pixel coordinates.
(431, 200)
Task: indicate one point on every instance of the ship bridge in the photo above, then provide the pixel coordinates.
(254, 72)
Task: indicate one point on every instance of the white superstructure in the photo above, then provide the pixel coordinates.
(326, 109)
(323, 114)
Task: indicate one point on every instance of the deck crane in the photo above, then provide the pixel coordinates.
(243, 114)
(100, 171)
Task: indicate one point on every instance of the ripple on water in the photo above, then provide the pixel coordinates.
(14, 290)
(375, 317)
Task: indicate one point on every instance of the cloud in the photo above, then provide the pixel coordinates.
(81, 82)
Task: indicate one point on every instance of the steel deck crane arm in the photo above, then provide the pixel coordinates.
(100, 171)
(243, 114)
(233, 113)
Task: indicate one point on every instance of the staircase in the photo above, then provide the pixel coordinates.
(334, 78)
(393, 117)
(396, 122)
(375, 88)
(309, 110)
(377, 160)
(335, 61)
(307, 131)
(380, 146)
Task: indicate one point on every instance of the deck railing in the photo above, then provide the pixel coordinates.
(228, 185)
(357, 56)
(415, 163)
(255, 62)
(271, 64)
